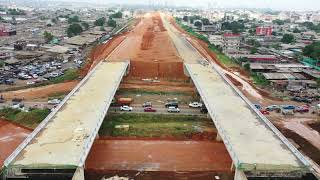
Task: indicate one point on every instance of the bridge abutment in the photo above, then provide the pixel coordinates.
(79, 174)
(239, 175)
(218, 138)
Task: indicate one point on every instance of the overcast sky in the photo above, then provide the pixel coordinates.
(273, 4)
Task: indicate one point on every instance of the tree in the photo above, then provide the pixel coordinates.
(54, 20)
(205, 21)
(296, 30)
(198, 24)
(253, 50)
(287, 38)
(73, 19)
(48, 36)
(116, 15)
(235, 26)
(85, 25)
(278, 22)
(74, 29)
(112, 23)
(185, 18)
(247, 67)
(312, 50)
(100, 22)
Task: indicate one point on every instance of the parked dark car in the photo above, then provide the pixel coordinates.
(172, 104)
(203, 109)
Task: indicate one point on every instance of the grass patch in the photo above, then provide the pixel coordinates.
(222, 58)
(69, 75)
(28, 119)
(57, 95)
(259, 79)
(153, 125)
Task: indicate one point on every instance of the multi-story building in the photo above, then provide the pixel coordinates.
(264, 31)
(7, 30)
(231, 43)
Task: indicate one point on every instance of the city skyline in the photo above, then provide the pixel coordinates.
(266, 4)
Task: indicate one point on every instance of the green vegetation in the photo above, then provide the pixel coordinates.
(73, 19)
(16, 12)
(28, 119)
(85, 25)
(116, 15)
(312, 51)
(48, 36)
(220, 56)
(253, 50)
(198, 24)
(191, 32)
(100, 22)
(205, 21)
(112, 23)
(235, 26)
(69, 75)
(312, 26)
(280, 22)
(259, 79)
(225, 60)
(57, 95)
(74, 29)
(153, 125)
(1, 64)
(288, 38)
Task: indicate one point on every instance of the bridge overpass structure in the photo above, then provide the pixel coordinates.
(59, 146)
(256, 147)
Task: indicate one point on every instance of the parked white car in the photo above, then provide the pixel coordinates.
(30, 82)
(195, 105)
(125, 108)
(173, 109)
(54, 101)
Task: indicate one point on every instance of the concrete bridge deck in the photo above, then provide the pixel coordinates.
(65, 137)
(253, 143)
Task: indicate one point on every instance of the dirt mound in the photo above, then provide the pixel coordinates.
(167, 70)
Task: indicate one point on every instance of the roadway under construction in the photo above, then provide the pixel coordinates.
(60, 145)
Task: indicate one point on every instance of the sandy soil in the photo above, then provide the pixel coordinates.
(11, 135)
(144, 155)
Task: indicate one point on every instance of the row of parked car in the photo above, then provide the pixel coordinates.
(284, 109)
(172, 107)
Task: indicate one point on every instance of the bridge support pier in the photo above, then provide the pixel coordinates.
(218, 138)
(239, 175)
(78, 174)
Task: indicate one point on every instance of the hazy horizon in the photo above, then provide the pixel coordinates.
(265, 4)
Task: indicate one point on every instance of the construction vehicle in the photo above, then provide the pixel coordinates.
(124, 101)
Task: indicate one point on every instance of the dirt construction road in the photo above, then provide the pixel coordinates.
(150, 50)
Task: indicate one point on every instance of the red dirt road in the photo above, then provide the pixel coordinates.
(11, 135)
(41, 92)
(158, 155)
(151, 51)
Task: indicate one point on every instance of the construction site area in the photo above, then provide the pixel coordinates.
(151, 68)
